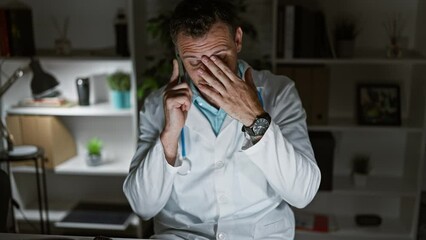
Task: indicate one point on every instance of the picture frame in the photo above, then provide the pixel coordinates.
(379, 104)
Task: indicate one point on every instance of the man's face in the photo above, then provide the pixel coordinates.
(218, 42)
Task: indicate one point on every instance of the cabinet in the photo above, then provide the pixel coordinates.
(91, 31)
(396, 153)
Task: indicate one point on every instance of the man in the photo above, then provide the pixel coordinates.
(224, 152)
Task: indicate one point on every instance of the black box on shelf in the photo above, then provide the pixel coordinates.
(323, 144)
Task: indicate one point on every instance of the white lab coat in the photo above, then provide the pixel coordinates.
(234, 190)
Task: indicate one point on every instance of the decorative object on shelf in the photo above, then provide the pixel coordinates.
(83, 91)
(62, 43)
(368, 220)
(394, 26)
(119, 83)
(121, 39)
(379, 104)
(345, 32)
(94, 152)
(16, 30)
(360, 170)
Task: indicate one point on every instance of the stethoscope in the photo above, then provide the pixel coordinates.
(185, 163)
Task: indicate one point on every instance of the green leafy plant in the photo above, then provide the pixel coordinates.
(94, 146)
(346, 28)
(119, 81)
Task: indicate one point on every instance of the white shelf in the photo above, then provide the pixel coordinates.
(351, 61)
(98, 110)
(347, 229)
(376, 186)
(77, 165)
(110, 166)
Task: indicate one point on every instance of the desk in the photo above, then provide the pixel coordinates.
(20, 236)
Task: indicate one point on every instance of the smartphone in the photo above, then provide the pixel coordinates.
(181, 68)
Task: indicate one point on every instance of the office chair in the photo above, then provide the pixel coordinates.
(5, 200)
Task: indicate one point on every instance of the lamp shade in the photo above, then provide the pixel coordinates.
(42, 84)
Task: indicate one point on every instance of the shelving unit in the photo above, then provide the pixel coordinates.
(394, 186)
(92, 38)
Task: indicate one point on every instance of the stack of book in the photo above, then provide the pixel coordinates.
(301, 33)
(45, 102)
(16, 30)
(315, 222)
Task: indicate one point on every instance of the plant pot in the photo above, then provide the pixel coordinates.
(120, 99)
(360, 180)
(345, 48)
(93, 160)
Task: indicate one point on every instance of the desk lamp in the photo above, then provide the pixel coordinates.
(42, 85)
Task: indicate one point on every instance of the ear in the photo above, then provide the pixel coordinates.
(239, 39)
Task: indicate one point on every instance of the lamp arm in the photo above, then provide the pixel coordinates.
(9, 138)
(20, 72)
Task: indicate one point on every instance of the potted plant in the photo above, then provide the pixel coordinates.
(94, 151)
(360, 170)
(119, 84)
(345, 33)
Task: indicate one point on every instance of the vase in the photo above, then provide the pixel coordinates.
(394, 51)
(345, 48)
(120, 99)
(359, 179)
(63, 46)
(93, 160)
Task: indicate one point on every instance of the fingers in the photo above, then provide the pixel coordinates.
(212, 81)
(180, 98)
(219, 70)
(248, 76)
(223, 68)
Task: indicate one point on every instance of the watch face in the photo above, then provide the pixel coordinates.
(260, 126)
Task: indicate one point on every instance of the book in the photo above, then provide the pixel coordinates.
(301, 33)
(4, 34)
(289, 24)
(315, 222)
(45, 102)
(89, 215)
(18, 36)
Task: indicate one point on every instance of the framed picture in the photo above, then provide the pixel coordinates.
(379, 104)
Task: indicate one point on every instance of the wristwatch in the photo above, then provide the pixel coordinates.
(259, 126)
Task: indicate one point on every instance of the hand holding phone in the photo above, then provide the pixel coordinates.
(177, 100)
